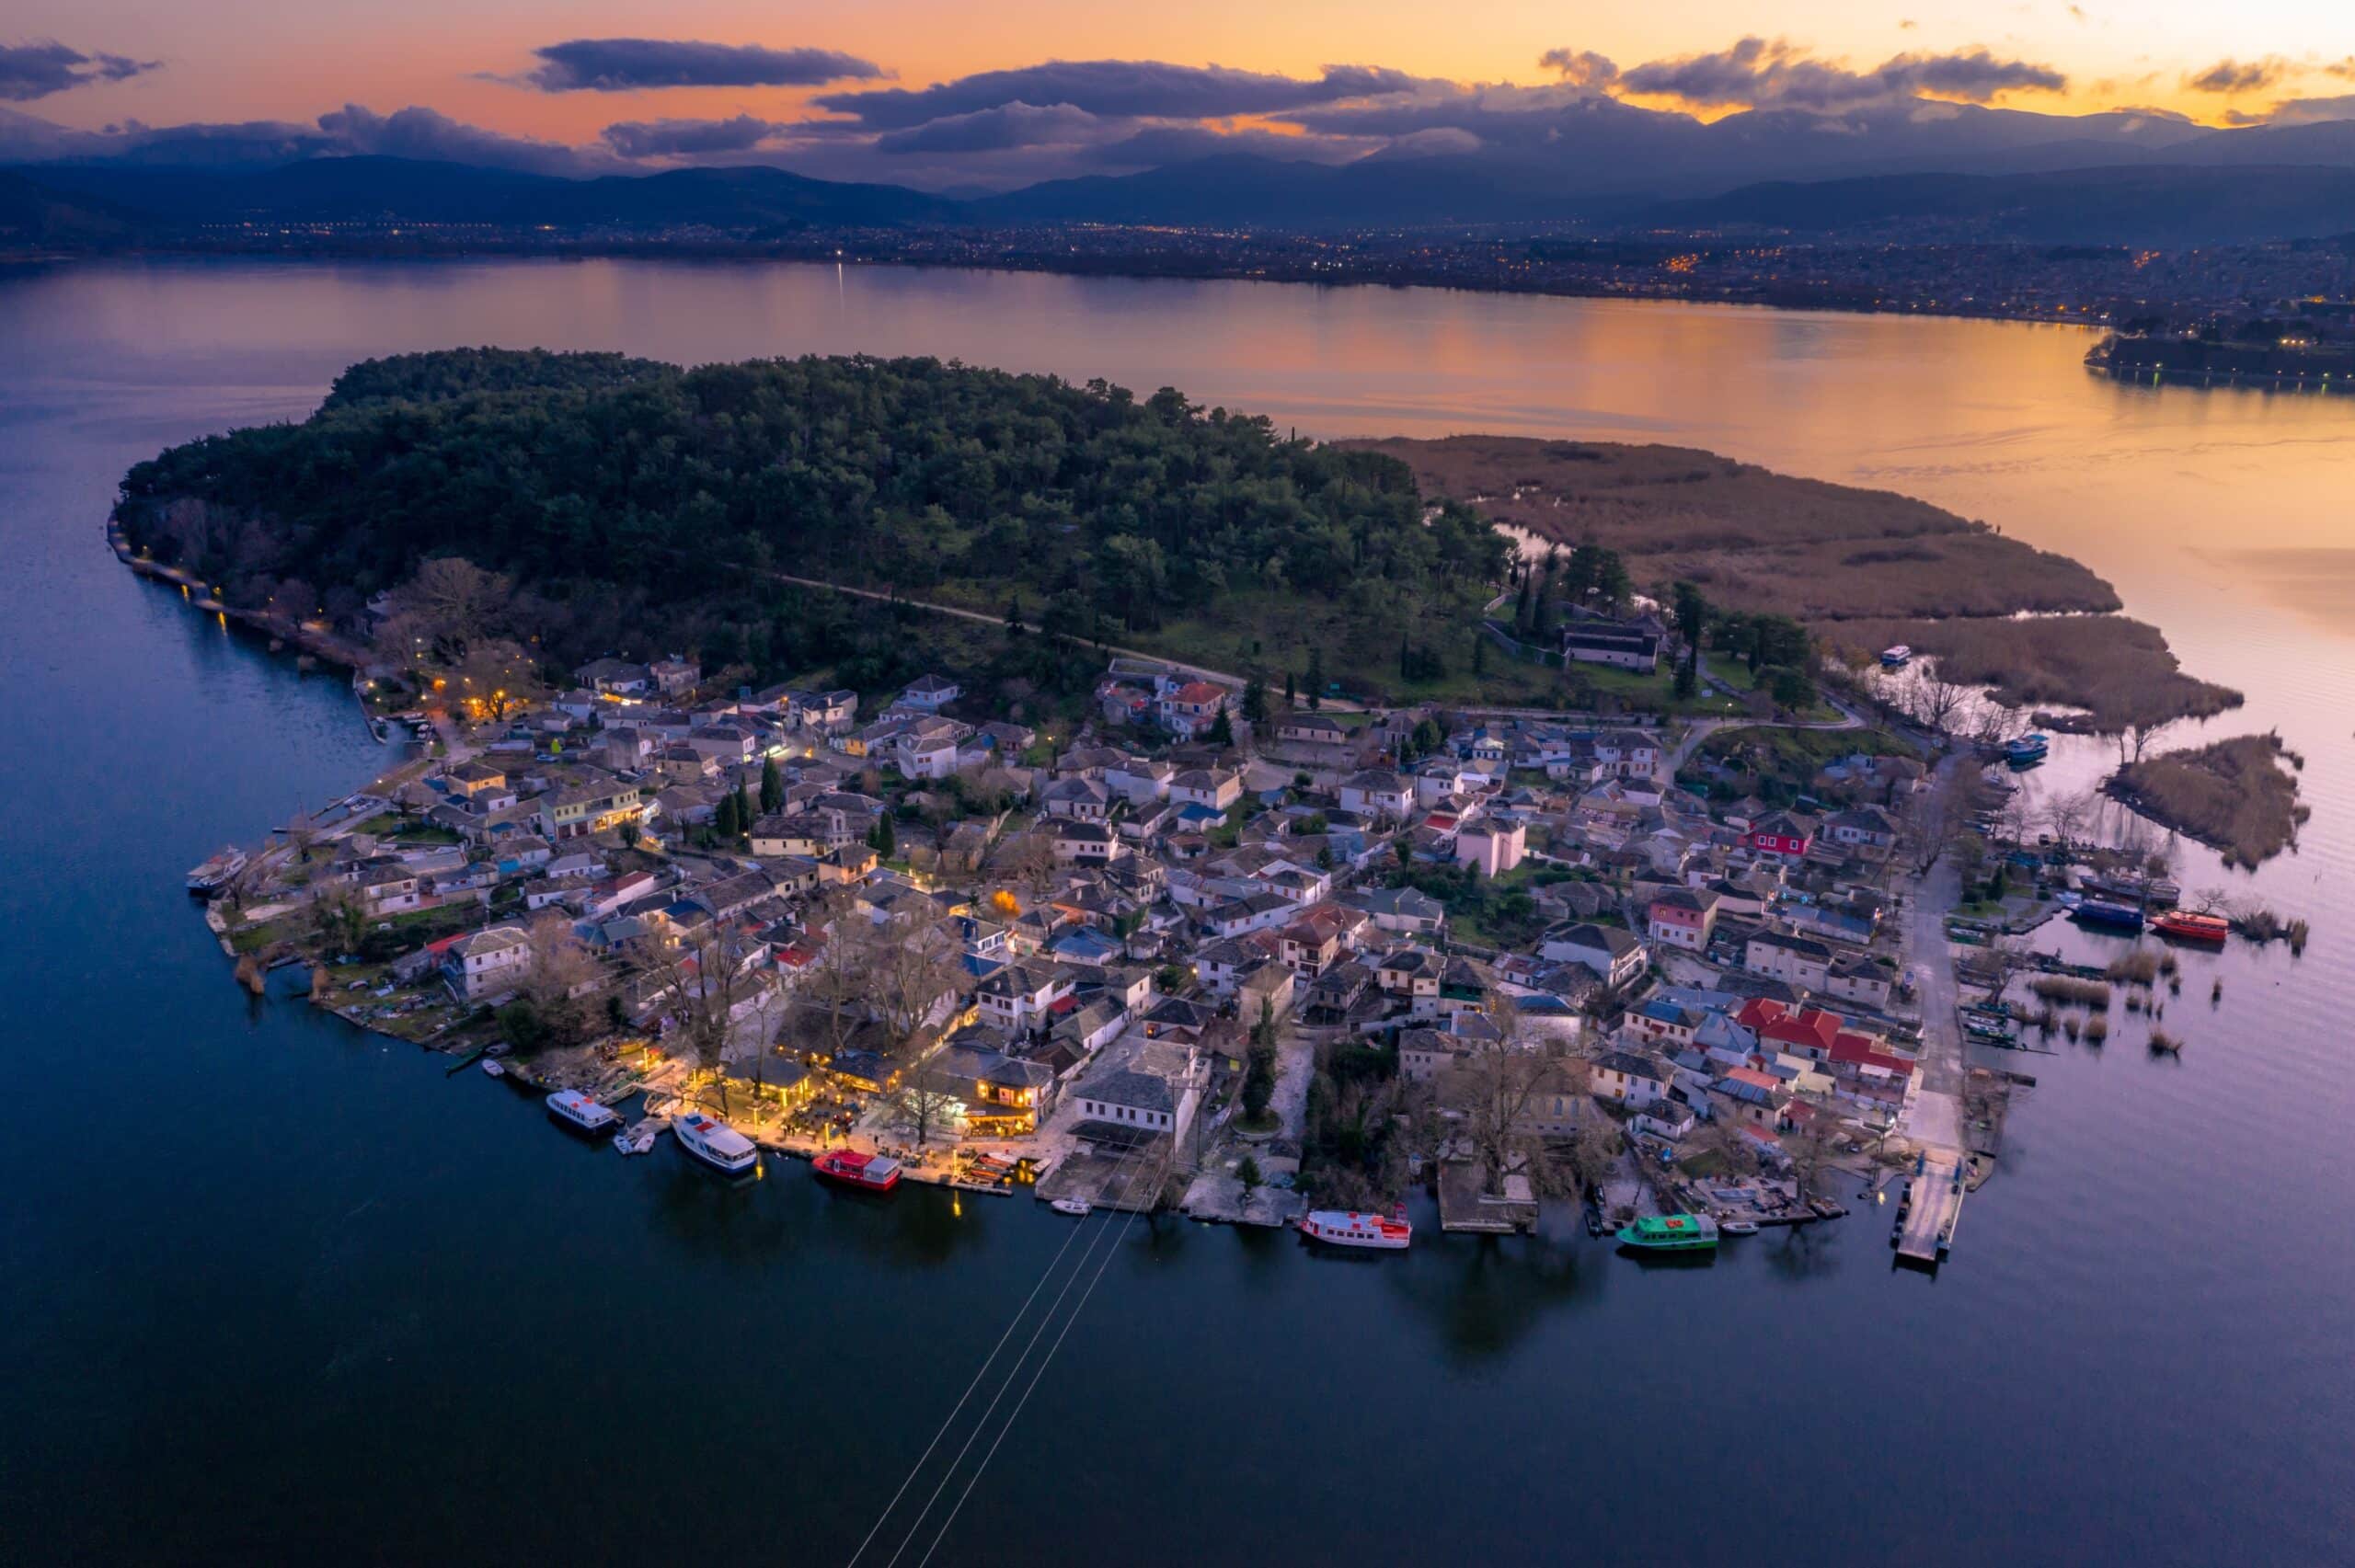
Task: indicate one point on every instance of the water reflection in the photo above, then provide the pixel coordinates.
(1484, 1296)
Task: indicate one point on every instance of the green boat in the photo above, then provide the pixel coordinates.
(1671, 1233)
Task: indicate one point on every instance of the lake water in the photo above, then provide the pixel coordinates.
(276, 1291)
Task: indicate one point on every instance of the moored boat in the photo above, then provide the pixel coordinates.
(2028, 749)
(715, 1143)
(494, 1067)
(2103, 912)
(1669, 1233)
(1077, 1207)
(1340, 1228)
(2185, 925)
(1737, 1227)
(216, 873)
(577, 1111)
(867, 1173)
(637, 1139)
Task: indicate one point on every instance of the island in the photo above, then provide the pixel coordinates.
(957, 777)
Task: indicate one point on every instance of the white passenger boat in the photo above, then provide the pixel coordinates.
(217, 873)
(1349, 1228)
(1072, 1206)
(575, 1109)
(715, 1143)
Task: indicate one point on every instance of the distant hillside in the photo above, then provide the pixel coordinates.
(2169, 204)
(358, 188)
(1270, 194)
(32, 214)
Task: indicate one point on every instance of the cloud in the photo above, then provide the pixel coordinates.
(995, 130)
(628, 64)
(1119, 89)
(29, 71)
(2233, 76)
(1579, 67)
(689, 138)
(430, 135)
(1757, 74)
(2298, 111)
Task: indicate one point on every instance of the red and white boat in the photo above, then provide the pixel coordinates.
(1388, 1233)
(2185, 926)
(867, 1173)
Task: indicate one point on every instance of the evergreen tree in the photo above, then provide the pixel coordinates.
(772, 788)
(1688, 673)
(724, 819)
(743, 809)
(1292, 693)
(1255, 700)
(1316, 676)
(883, 838)
(1521, 618)
(1479, 653)
(1222, 730)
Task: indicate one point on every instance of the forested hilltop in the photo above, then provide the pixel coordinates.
(636, 506)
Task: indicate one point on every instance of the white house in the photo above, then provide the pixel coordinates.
(1156, 1091)
(1376, 793)
(1614, 954)
(486, 962)
(1492, 848)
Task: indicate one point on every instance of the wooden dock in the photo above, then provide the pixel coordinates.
(1933, 1207)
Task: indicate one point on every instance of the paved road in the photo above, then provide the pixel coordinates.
(1936, 1118)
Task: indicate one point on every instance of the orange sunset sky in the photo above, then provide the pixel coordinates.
(294, 59)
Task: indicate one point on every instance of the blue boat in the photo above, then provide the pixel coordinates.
(2028, 750)
(2102, 912)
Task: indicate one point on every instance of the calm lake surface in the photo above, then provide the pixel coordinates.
(275, 1290)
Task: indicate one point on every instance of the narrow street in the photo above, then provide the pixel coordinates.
(1936, 1116)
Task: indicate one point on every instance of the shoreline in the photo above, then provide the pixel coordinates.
(1047, 267)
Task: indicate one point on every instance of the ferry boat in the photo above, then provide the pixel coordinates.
(2028, 750)
(577, 1111)
(1896, 658)
(867, 1173)
(2102, 912)
(215, 873)
(2185, 926)
(1671, 1233)
(715, 1143)
(1388, 1233)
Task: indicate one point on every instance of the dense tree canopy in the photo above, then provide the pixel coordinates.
(594, 480)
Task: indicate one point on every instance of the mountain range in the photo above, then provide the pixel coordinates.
(1942, 171)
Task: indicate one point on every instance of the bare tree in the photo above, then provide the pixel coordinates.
(2135, 738)
(837, 976)
(1493, 1093)
(302, 833)
(2068, 814)
(451, 598)
(1029, 860)
(1811, 1153)
(701, 976)
(1935, 701)
(561, 976)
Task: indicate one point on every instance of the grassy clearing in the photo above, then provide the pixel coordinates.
(2233, 796)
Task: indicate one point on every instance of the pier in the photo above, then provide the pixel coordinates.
(1933, 1207)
